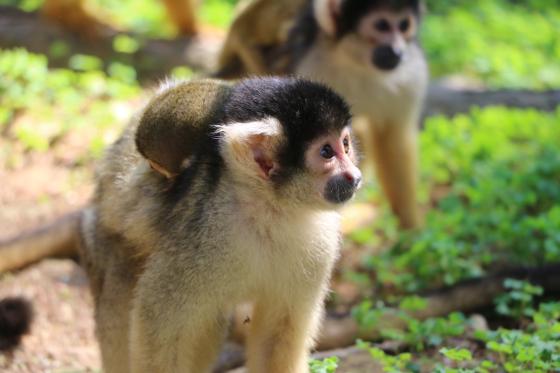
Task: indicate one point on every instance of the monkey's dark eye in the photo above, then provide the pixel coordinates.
(404, 25)
(346, 143)
(382, 25)
(327, 151)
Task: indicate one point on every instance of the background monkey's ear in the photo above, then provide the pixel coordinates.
(250, 147)
(326, 13)
(176, 121)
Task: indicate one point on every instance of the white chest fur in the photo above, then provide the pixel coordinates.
(283, 255)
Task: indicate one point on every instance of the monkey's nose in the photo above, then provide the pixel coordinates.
(353, 179)
(386, 57)
(342, 187)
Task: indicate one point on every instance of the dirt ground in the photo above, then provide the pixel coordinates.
(35, 189)
(62, 337)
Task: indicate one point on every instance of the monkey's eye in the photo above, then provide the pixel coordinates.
(404, 25)
(327, 151)
(346, 143)
(382, 25)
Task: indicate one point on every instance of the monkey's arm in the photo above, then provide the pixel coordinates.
(175, 309)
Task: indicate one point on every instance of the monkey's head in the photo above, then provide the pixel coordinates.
(291, 139)
(284, 139)
(380, 31)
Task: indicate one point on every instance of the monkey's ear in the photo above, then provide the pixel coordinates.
(326, 13)
(250, 147)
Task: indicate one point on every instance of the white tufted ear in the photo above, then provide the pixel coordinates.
(326, 12)
(250, 147)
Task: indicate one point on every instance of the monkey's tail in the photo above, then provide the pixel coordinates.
(16, 315)
(58, 239)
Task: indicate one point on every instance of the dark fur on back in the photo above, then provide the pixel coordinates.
(16, 315)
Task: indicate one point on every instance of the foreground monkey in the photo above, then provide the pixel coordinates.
(367, 50)
(218, 194)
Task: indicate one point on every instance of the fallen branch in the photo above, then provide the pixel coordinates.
(464, 297)
(444, 100)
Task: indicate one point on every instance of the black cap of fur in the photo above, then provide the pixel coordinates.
(305, 109)
(16, 315)
(352, 11)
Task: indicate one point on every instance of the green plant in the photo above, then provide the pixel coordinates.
(416, 334)
(391, 364)
(535, 349)
(517, 302)
(327, 365)
(49, 103)
(499, 168)
(497, 205)
(502, 43)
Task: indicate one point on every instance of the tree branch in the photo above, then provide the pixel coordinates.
(444, 100)
(466, 296)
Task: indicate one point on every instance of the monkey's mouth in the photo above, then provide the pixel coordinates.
(386, 57)
(340, 190)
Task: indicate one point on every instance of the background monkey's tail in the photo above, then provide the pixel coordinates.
(16, 315)
(58, 239)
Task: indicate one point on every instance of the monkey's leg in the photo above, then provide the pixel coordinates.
(182, 14)
(112, 315)
(394, 150)
(177, 325)
(281, 335)
(171, 341)
(112, 275)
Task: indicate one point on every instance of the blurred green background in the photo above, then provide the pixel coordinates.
(490, 177)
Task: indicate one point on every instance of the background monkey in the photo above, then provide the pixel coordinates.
(368, 52)
(175, 238)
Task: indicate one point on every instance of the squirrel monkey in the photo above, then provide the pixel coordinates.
(366, 50)
(218, 194)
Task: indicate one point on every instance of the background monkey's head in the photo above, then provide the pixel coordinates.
(290, 139)
(380, 31)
